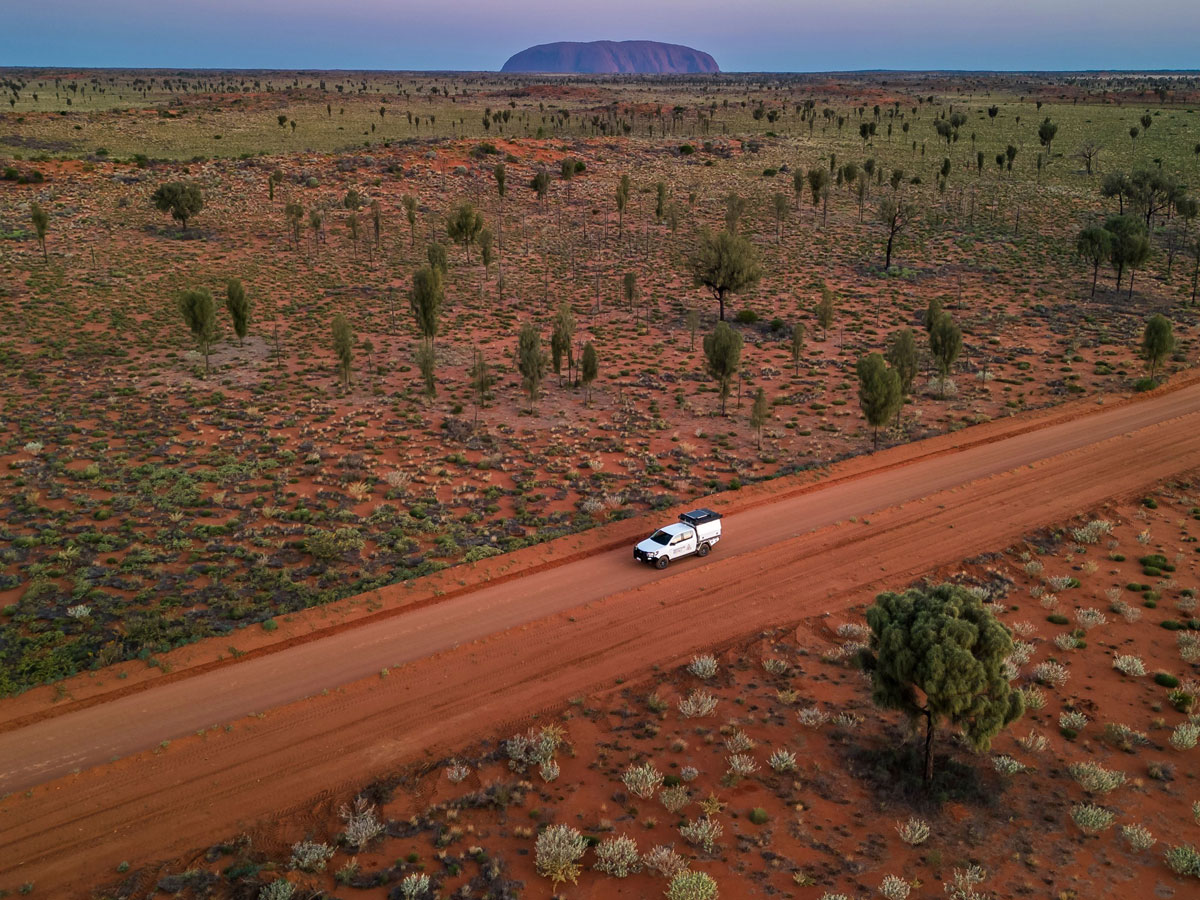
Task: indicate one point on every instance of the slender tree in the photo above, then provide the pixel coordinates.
(818, 185)
(824, 310)
(200, 314)
(1158, 342)
(540, 183)
(482, 380)
(41, 221)
(902, 357)
(438, 258)
(879, 394)
(426, 360)
(938, 655)
(735, 208)
(723, 352)
(622, 201)
(275, 178)
(1046, 132)
(797, 345)
(1094, 244)
(758, 414)
(895, 215)
(238, 305)
(487, 251)
(780, 204)
(409, 202)
(343, 346)
(725, 263)
(1130, 246)
(531, 361)
(293, 212)
(568, 172)
(590, 368)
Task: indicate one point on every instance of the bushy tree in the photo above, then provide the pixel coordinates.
(540, 183)
(482, 380)
(438, 258)
(425, 300)
(531, 361)
(463, 226)
(182, 200)
(723, 352)
(293, 212)
(343, 346)
(735, 208)
(938, 655)
(902, 357)
(1046, 132)
(238, 305)
(1158, 342)
(824, 310)
(562, 338)
(200, 314)
(945, 344)
(879, 394)
(409, 202)
(426, 359)
(1130, 246)
(725, 263)
(487, 251)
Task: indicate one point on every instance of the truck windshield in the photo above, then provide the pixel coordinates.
(661, 537)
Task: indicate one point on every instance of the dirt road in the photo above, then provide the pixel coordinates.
(462, 668)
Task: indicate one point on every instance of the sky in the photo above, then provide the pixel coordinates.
(742, 35)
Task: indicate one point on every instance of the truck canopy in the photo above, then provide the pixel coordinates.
(699, 516)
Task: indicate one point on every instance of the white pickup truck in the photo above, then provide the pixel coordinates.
(695, 532)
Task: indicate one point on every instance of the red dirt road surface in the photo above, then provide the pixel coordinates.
(483, 660)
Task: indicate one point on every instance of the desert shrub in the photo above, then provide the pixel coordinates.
(893, 887)
(617, 856)
(308, 856)
(362, 824)
(692, 886)
(782, 760)
(1184, 860)
(1089, 617)
(775, 666)
(1051, 673)
(1061, 582)
(1185, 735)
(279, 889)
(740, 765)
(1035, 698)
(697, 704)
(1092, 532)
(703, 666)
(415, 886)
(1033, 742)
(914, 831)
(533, 748)
(738, 741)
(329, 545)
(1006, 765)
(674, 798)
(963, 882)
(1067, 641)
(1072, 720)
(643, 780)
(1129, 665)
(1094, 778)
(558, 851)
(702, 832)
(457, 772)
(1091, 819)
(549, 770)
(758, 816)
(1138, 837)
(1181, 700)
(746, 317)
(664, 861)
(812, 716)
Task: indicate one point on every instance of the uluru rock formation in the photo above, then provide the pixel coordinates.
(612, 57)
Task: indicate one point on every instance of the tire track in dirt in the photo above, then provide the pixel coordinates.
(199, 790)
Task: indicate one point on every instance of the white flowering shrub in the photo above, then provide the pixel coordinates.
(1006, 765)
(1072, 720)
(702, 832)
(362, 825)
(1184, 860)
(1185, 735)
(703, 666)
(692, 886)
(617, 856)
(1138, 837)
(893, 887)
(309, 856)
(914, 831)
(1093, 532)
(738, 741)
(1091, 819)
(1129, 665)
(782, 760)
(1051, 673)
(674, 798)
(1094, 778)
(697, 705)
(279, 889)
(415, 886)
(812, 716)
(741, 765)
(1088, 617)
(457, 772)
(643, 780)
(663, 860)
(557, 853)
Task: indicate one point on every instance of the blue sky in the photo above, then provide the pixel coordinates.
(743, 35)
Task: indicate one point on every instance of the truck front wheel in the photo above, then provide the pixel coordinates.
(661, 562)
(703, 550)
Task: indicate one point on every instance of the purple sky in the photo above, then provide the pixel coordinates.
(744, 35)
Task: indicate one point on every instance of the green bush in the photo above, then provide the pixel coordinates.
(1172, 625)
(1056, 619)
(746, 316)
(687, 149)
(1166, 679)
(759, 816)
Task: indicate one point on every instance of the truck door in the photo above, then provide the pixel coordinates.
(682, 545)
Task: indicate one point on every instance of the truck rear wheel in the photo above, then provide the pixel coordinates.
(661, 562)
(703, 550)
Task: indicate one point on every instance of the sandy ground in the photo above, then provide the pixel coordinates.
(486, 660)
